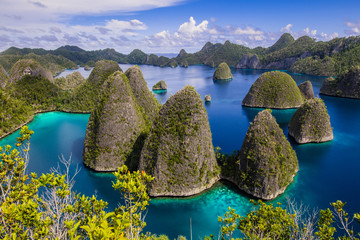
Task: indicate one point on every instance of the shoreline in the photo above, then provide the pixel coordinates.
(32, 118)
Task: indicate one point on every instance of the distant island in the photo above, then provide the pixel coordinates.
(303, 55)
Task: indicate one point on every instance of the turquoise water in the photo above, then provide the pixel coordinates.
(328, 171)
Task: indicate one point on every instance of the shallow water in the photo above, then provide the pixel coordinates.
(328, 171)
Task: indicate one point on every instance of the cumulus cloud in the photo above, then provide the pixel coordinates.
(247, 31)
(309, 32)
(287, 28)
(354, 28)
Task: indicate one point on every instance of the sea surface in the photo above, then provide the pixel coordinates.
(328, 171)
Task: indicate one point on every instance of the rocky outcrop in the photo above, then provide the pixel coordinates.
(160, 85)
(311, 123)
(267, 162)
(346, 85)
(178, 151)
(207, 98)
(116, 127)
(249, 62)
(102, 70)
(28, 67)
(69, 82)
(182, 53)
(148, 104)
(274, 90)
(222, 72)
(3, 77)
(307, 89)
(87, 68)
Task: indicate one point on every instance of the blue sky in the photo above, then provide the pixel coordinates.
(166, 26)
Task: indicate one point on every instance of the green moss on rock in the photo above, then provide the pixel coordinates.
(69, 82)
(3, 77)
(311, 123)
(274, 89)
(346, 85)
(102, 70)
(179, 152)
(222, 72)
(160, 85)
(116, 127)
(28, 67)
(267, 163)
(149, 105)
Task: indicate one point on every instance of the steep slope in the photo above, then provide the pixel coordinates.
(28, 67)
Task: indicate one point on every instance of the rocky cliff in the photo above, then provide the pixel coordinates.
(116, 127)
(149, 106)
(274, 90)
(346, 85)
(267, 163)
(307, 89)
(179, 152)
(222, 72)
(102, 70)
(160, 85)
(3, 77)
(69, 82)
(28, 67)
(311, 123)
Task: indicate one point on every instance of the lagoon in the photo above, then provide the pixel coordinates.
(328, 171)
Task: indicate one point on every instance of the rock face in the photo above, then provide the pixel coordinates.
(346, 85)
(102, 70)
(249, 62)
(161, 85)
(148, 104)
(3, 77)
(115, 127)
(311, 123)
(274, 90)
(28, 67)
(179, 152)
(222, 72)
(267, 163)
(207, 98)
(182, 53)
(307, 89)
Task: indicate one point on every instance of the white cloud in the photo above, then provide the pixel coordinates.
(310, 32)
(247, 31)
(286, 28)
(190, 28)
(354, 28)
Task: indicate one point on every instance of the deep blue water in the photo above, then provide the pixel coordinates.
(328, 171)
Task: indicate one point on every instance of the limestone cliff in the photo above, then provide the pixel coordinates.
(116, 127)
(102, 70)
(69, 82)
(346, 85)
(28, 67)
(149, 106)
(311, 123)
(267, 163)
(222, 72)
(307, 89)
(3, 77)
(160, 85)
(274, 90)
(179, 152)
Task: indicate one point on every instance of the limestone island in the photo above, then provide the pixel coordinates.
(28, 67)
(207, 98)
(178, 151)
(311, 123)
(87, 68)
(267, 162)
(346, 85)
(223, 72)
(160, 87)
(70, 82)
(307, 90)
(3, 77)
(274, 89)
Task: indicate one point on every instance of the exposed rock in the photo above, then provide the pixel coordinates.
(173, 63)
(244, 62)
(222, 72)
(179, 152)
(3, 77)
(70, 82)
(160, 85)
(28, 67)
(311, 123)
(184, 64)
(207, 98)
(249, 62)
(307, 89)
(267, 163)
(148, 104)
(274, 90)
(182, 53)
(87, 68)
(346, 85)
(116, 127)
(102, 70)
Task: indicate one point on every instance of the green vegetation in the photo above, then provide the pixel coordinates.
(160, 85)
(311, 123)
(222, 72)
(274, 89)
(315, 66)
(69, 82)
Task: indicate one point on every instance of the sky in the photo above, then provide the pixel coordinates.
(167, 26)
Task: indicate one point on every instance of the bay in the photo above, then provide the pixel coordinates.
(328, 171)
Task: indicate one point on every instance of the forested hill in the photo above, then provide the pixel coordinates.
(303, 55)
